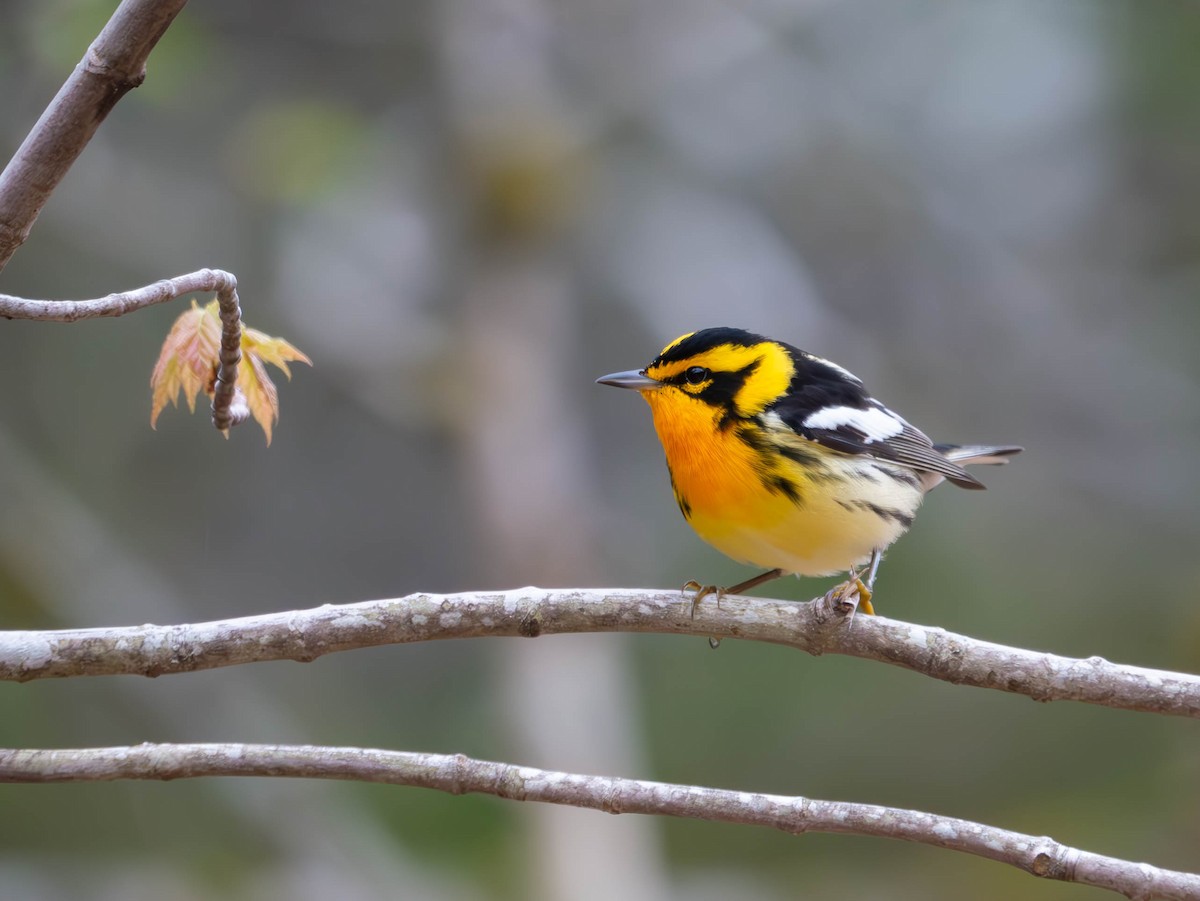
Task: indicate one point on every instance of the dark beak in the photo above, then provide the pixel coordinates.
(634, 378)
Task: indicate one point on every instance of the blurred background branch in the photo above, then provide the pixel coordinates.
(458, 774)
(113, 65)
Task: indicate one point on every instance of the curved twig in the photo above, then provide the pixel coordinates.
(225, 413)
(819, 626)
(113, 65)
(456, 774)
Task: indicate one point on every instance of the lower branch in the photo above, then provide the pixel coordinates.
(458, 775)
(225, 413)
(820, 626)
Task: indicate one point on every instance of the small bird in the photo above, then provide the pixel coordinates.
(781, 459)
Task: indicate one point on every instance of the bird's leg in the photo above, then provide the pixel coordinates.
(866, 590)
(873, 569)
(703, 591)
(754, 582)
(856, 585)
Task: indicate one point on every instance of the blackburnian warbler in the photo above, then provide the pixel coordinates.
(781, 459)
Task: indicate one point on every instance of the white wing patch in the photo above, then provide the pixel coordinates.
(873, 423)
(845, 373)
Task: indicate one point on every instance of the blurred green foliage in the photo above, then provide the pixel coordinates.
(467, 211)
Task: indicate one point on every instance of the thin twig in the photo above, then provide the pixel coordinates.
(225, 411)
(458, 775)
(816, 627)
(113, 64)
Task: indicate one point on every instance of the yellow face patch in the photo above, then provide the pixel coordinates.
(765, 368)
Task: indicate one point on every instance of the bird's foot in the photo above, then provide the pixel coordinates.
(700, 592)
(851, 596)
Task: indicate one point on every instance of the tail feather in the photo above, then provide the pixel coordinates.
(974, 454)
(971, 455)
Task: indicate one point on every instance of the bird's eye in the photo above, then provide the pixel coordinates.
(696, 375)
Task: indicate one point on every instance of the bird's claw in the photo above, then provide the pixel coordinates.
(851, 596)
(701, 592)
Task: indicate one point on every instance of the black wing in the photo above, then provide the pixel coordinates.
(828, 405)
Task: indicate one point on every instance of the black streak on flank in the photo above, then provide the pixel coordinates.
(897, 516)
(814, 469)
(786, 487)
(904, 519)
(903, 476)
(799, 455)
(754, 439)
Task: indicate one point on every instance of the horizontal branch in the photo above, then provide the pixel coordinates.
(820, 626)
(225, 412)
(458, 775)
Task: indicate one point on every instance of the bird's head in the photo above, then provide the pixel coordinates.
(734, 372)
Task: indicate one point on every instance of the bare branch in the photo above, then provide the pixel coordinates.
(113, 64)
(819, 626)
(458, 775)
(225, 412)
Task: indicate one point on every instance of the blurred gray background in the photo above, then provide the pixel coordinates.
(464, 212)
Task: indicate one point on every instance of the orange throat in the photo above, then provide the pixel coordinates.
(711, 468)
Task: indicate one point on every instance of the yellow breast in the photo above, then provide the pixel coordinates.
(759, 507)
